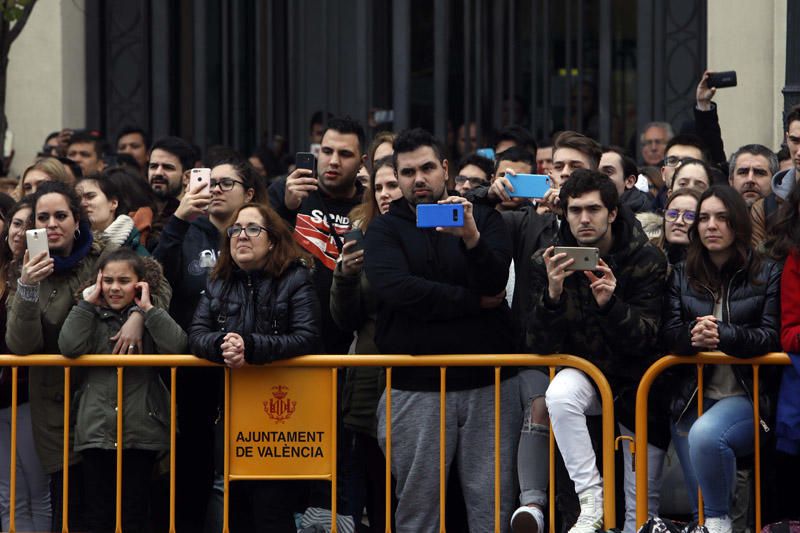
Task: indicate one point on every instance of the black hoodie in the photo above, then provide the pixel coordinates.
(429, 288)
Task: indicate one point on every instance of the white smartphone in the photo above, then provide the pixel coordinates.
(199, 178)
(37, 242)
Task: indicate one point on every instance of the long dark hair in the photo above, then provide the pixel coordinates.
(248, 175)
(785, 234)
(699, 267)
(8, 263)
(368, 209)
(284, 252)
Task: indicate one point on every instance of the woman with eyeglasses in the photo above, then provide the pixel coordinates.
(679, 216)
(33, 491)
(188, 249)
(259, 306)
(726, 298)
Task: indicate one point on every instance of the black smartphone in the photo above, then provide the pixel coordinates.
(720, 80)
(355, 235)
(307, 161)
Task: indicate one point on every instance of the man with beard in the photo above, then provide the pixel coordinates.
(441, 292)
(751, 169)
(170, 159)
(318, 205)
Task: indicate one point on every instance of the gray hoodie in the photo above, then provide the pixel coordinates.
(783, 182)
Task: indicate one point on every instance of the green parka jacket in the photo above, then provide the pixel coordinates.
(145, 402)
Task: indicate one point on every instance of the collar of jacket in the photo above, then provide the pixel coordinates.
(79, 250)
(401, 208)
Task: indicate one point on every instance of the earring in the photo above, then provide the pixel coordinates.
(77, 234)
(271, 246)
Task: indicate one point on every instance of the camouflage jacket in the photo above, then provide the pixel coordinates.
(620, 338)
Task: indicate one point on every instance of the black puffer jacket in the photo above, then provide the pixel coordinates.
(750, 325)
(277, 318)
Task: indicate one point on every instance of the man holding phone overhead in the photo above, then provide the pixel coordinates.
(610, 315)
(440, 290)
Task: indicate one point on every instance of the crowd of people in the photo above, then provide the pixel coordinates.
(695, 252)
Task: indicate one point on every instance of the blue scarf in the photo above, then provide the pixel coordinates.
(80, 249)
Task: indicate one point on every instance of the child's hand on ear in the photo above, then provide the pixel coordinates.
(96, 297)
(143, 298)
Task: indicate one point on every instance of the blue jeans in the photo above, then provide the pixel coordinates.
(708, 447)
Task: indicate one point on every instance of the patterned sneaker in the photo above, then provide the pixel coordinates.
(527, 519)
(591, 517)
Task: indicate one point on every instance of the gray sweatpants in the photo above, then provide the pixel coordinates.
(469, 440)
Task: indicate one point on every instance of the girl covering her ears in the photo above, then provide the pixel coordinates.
(42, 293)
(123, 281)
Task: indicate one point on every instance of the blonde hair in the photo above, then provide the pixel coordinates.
(51, 166)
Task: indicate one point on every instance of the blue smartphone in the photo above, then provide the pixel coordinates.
(528, 185)
(440, 215)
(488, 153)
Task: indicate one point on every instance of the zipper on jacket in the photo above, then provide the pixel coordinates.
(687, 406)
(736, 373)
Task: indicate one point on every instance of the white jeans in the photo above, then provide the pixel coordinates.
(570, 398)
(33, 485)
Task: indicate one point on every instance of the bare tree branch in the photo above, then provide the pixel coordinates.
(19, 24)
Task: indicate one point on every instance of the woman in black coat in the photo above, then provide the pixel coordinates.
(259, 306)
(723, 297)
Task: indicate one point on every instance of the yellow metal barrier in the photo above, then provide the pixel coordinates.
(332, 362)
(642, 396)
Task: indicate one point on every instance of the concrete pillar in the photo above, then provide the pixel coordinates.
(751, 39)
(46, 77)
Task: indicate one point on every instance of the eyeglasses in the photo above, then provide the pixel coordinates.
(251, 231)
(671, 215)
(672, 161)
(225, 184)
(474, 181)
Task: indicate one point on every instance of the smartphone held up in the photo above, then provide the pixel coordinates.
(440, 215)
(37, 242)
(584, 257)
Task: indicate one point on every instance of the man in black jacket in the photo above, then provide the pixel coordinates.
(441, 291)
(609, 316)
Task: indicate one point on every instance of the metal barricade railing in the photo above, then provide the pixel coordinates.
(332, 362)
(642, 396)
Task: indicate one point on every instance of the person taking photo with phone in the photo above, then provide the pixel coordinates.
(43, 297)
(608, 313)
(188, 249)
(353, 307)
(440, 290)
(316, 202)
(123, 281)
(33, 509)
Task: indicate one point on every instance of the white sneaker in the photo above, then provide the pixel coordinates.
(591, 517)
(527, 519)
(719, 524)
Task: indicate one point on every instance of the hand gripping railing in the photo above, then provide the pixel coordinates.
(332, 362)
(642, 395)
